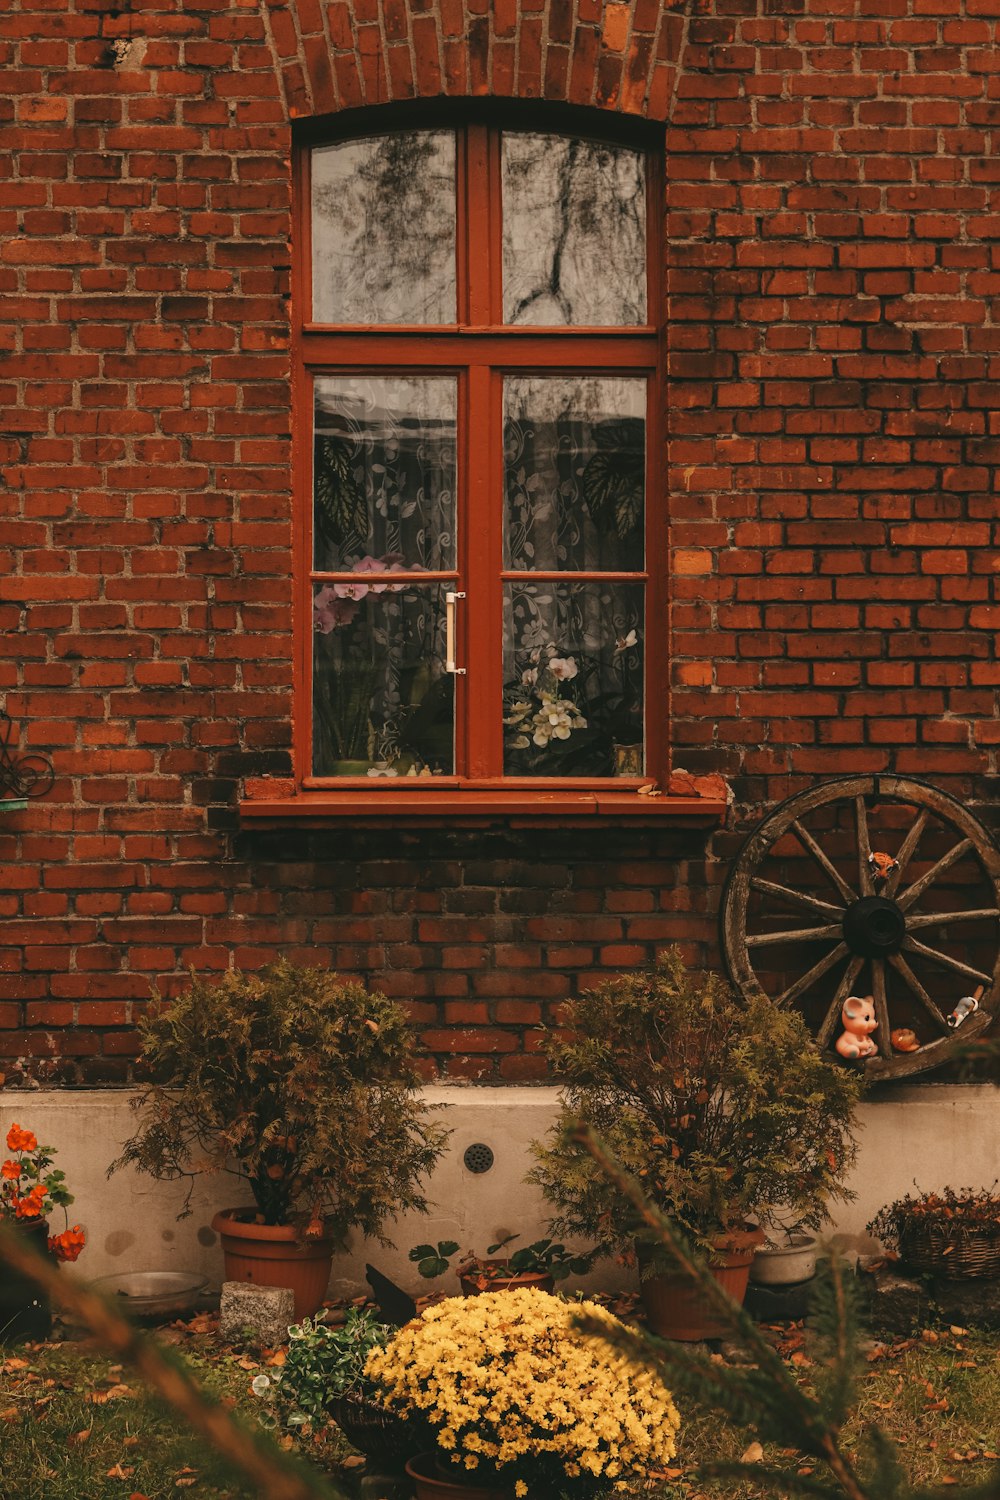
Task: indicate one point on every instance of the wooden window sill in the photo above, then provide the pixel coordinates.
(466, 802)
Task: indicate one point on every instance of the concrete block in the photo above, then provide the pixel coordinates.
(261, 1313)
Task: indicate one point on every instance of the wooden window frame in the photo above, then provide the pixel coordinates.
(480, 349)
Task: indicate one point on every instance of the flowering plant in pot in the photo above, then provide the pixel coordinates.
(723, 1108)
(31, 1189)
(541, 1265)
(304, 1087)
(520, 1400)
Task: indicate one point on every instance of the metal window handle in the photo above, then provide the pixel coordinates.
(451, 599)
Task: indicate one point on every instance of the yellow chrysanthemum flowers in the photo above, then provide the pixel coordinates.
(507, 1378)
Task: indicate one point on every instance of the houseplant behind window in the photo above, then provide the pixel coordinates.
(304, 1086)
(724, 1110)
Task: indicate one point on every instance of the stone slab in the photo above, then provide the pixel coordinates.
(897, 1303)
(258, 1313)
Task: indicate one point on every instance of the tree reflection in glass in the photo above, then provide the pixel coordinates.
(383, 229)
(574, 232)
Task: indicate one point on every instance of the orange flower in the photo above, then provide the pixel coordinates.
(21, 1140)
(67, 1246)
(11, 1170)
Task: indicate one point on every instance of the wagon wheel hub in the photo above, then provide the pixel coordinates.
(874, 927)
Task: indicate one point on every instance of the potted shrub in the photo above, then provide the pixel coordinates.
(31, 1189)
(323, 1377)
(302, 1085)
(509, 1386)
(539, 1265)
(950, 1234)
(723, 1108)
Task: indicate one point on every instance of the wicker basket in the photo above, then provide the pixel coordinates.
(377, 1432)
(951, 1250)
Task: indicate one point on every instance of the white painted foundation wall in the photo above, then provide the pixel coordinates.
(934, 1135)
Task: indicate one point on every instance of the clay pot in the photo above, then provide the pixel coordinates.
(273, 1255)
(25, 1312)
(676, 1308)
(469, 1281)
(428, 1485)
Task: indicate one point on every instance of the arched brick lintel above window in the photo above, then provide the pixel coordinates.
(348, 54)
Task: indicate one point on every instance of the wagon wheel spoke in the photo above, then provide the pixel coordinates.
(946, 960)
(881, 1006)
(865, 882)
(832, 1016)
(798, 935)
(933, 918)
(910, 979)
(906, 852)
(906, 900)
(796, 898)
(805, 981)
(808, 842)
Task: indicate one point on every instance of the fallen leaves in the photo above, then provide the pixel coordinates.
(118, 1472)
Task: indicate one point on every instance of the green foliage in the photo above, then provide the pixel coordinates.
(322, 1363)
(301, 1083)
(544, 1257)
(432, 1260)
(722, 1108)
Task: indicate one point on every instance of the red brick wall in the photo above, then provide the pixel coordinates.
(835, 405)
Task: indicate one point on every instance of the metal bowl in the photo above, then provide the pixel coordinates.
(153, 1294)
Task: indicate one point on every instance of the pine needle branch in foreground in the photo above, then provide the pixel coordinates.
(784, 1411)
(276, 1475)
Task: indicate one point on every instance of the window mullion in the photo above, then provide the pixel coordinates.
(482, 525)
(477, 226)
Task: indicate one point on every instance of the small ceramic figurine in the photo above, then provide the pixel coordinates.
(904, 1040)
(882, 865)
(858, 1019)
(963, 1010)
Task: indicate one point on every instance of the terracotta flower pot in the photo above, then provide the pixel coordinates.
(676, 1308)
(25, 1312)
(428, 1485)
(474, 1284)
(272, 1255)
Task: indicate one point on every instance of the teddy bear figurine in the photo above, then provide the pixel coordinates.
(858, 1020)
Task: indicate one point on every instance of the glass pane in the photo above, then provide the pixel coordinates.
(574, 232)
(573, 674)
(384, 472)
(383, 229)
(383, 705)
(574, 473)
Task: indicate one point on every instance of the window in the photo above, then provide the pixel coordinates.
(482, 540)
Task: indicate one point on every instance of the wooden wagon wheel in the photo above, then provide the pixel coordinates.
(895, 890)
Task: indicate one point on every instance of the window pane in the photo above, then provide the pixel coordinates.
(383, 229)
(383, 705)
(574, 232)
(384, 472)
(574, 473)
(573, 672)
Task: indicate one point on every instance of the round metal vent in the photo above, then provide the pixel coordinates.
(478, 1157)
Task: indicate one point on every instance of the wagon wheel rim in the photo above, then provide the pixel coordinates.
(865, 929)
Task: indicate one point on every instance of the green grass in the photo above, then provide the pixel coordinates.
(51, 1394)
